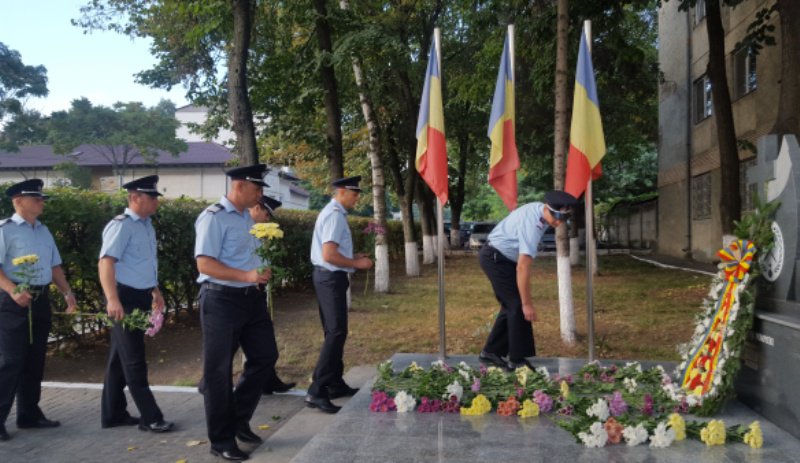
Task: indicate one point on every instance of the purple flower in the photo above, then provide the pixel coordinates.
(682, 407)
(482, 369)
(520, 392)
(587, 377)
(381, 402)
(429, 406)
(566, 411)
(476, 385)
(157, 320)
(617, 405)
(606, 378)
(452, 405)
(543, 400)
(647, 406)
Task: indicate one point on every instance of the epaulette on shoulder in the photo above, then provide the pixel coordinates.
(214, 208)
(4, 221)
(121, 217)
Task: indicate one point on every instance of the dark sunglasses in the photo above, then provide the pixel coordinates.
(560, 215)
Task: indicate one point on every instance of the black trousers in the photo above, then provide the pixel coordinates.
(22, 361)
(331, 288)
(127, 366)
(511, 334)
(233, 318)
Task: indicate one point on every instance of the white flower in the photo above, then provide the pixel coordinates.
(463, 366)
(465, 374)
(599, 409)
(454, 389)
(597, 436)
(692, 400)
(660, 369)
(662, 436)
(438, 364)
(630, 384)
(636, 365)
(405, 402)
(635, 435)
(543, 371)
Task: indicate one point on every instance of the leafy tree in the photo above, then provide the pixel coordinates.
(18, 81)
(25, 128)
(119, 134)
(78, 177)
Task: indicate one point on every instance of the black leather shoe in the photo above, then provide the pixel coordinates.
(339, 392)
(278, 386)
(3, 434)
(232, 454)
(245, 434)
(40, 423)
(127, 421)
(514, 364)
(323, 403)
(158, 426)
(492, 359)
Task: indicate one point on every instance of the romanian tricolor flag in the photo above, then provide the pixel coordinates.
(504, 160)
(431, 144)
(587, 145)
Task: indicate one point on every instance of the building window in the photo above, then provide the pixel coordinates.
(701, 197)
(747, 192)
(699, 11)
(744, 72)
(702, 98)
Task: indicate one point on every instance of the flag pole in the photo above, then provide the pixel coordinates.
(587, 27)
(437, 36)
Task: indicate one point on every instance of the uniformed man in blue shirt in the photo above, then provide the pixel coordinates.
(22, 346)
(333, 258)
(262, 213)
(128, 269)
(506, 259)
(233, 312)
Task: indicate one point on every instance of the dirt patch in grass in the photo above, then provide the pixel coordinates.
(641, 312)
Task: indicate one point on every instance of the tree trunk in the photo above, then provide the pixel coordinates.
(730, 200)
(427, 220)
(333, 111)
(457, 201)
(788, 121)
(378, 183)
(563, 268)
(238, 98)
(401, 188)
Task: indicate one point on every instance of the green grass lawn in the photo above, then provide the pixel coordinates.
(640, 312)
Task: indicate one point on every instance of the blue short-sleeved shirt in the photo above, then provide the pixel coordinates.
(224, 234)
(332, 226)
(520, 232)
(18, 238)
(131, 240)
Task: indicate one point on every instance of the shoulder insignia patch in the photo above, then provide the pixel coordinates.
(121, 217)
(214, 208)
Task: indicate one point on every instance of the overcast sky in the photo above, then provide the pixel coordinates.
(99, 66)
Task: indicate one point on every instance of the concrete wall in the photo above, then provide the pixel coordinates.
(634, 226)
(754, 115)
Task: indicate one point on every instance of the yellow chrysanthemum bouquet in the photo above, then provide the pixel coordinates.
(26, 272)
(270, 250)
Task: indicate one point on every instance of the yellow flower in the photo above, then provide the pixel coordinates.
(564, 390)
(29, 259)
(414, 367)
(678, 425)
(713, 433)
(753, 437)
(529, 409)
(522, 374)
(269, 230)
(259, 230)
(480, 406)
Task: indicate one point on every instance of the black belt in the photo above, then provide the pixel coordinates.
(231, 289)
(325, 270)
(131, 288)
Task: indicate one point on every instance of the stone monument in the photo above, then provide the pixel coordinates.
(769, 381)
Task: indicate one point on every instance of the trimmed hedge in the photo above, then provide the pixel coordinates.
(76, 219)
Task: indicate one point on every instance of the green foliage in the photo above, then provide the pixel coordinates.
(18, 81)
(756, 226)
(25, 128)
(121, 133)
(76, 176)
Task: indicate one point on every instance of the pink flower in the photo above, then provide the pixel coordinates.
(617, 405)
(543, 400)
(156, 320)
(647, 406)
(381, 402)
(476, 386)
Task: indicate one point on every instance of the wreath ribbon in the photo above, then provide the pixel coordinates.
(699, 373)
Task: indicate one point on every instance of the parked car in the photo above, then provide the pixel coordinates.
(479, 232)
(548, 242)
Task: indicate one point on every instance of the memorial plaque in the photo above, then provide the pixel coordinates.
(770, 373)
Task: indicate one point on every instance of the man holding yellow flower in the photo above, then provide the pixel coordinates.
(29, 262)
